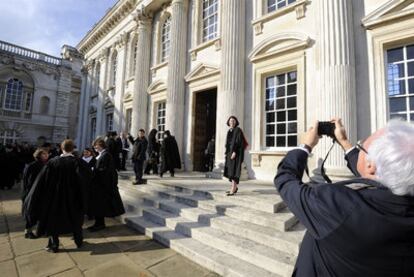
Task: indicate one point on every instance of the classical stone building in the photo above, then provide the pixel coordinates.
(278, 65)
(39, 94)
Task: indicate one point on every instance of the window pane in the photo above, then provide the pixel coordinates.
(281, 116)
(281, 91)
(410, 52)
(280, 104)
(270, 105)
(411, 103)
(291, 89)
(281, 129)
(410, 69)
(398, 104)
(281, 141)
(270, 141)
(396, 87)
(270, 93)
(399, 116)
(292, 115)
(270, 82)
(280, 79)
(292, 128)
(270, 117)
(292, 140)
(291, 102)
(292, 77)
(395, 55)
(270, 129)
(412, 117)
(411, 86)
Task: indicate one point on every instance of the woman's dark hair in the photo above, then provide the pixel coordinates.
(235, 118)
(152, 135)
(167, 133)
(90, 151)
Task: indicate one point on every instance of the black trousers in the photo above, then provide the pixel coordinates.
(77, 236)
(124, 158)
(138, 169)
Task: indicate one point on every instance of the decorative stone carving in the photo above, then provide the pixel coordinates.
(258, 28)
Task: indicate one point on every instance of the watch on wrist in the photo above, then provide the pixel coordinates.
(307, 147)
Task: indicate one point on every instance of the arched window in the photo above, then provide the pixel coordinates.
(114, 67)
(165, 39)
(210, 19)
(14, 95)
(44, 105)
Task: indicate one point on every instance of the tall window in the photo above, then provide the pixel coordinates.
(281, 110)
(109, 122)
(400, 71)
(210, 19)
(44, 105)
(128, 119)
(273, 5)
(97, 77)
(161, 108)
(93, 129)
(14, 95)
(134, 57)
(114, 67)
(165, 39)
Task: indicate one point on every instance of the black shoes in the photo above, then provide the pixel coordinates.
(139, 182)
(95, 228)
(52, 246)
(229, 193)
(30, 235)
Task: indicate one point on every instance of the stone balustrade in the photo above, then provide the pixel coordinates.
(24, 52)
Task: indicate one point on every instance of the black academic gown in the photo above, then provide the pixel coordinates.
(105, 200)
(58, 197)
(170, 154)
(29, 176)
(234, 143)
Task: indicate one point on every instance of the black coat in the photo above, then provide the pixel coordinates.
(234, 143)
(139, 149)
(29, 176)
(169, 154)
(105, 200)
(57, 199)
(350, 232)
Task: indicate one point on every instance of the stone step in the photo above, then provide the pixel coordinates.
(209, 257)
(283, 220)
(288, 242)
(258, 254)
(269, 202)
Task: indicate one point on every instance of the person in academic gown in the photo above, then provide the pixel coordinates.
(235, 145)
(105, 200)
(30, 174)
(170, 155)
(89, 157)
(58, 200)
(153, 151)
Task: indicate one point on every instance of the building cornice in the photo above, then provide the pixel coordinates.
(110, 20)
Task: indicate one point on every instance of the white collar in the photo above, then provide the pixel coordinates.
(87, 159)
(67, 155)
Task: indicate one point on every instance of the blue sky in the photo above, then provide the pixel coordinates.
(46, 25)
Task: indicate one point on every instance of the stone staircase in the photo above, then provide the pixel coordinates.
(250, 234)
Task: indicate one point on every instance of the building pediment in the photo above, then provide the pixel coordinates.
(157, 86)
(202, 71)
(279, 44)
(391, 11)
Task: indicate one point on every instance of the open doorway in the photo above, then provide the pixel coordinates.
(204, 126)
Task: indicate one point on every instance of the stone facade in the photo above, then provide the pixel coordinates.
(276, 65)
(39, 94)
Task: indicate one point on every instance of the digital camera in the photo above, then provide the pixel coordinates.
(326, 128)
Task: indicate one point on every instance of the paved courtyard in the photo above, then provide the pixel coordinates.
(115, 251)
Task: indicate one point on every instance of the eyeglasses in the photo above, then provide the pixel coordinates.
(360, 147)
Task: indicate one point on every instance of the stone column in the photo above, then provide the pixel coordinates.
(230, 95)
(142, 73)
(84, 107)
(81, 116)
(121, 48)
(336, 94)
(176, 72)
(100, 113)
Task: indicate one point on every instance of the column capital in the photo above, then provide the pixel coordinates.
(122, 40)
(179, 2)
(141, 17)
(103, 55)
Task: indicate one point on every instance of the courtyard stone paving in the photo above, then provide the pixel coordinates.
(114, 251)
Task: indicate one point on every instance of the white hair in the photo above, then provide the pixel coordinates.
(393, 155)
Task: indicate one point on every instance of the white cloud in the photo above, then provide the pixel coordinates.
(46, 25)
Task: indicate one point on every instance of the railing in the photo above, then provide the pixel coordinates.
(16, 114)
(24, 52)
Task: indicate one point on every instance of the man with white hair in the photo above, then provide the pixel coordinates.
(359, 227)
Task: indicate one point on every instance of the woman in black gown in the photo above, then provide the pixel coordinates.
(235, 145)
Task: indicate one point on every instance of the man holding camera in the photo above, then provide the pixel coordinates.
(359, 227)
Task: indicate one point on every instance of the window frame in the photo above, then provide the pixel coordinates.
(203, 38)
(160, 126)
(22, 96)
(165, 45)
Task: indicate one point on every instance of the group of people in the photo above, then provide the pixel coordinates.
(150, 154)
(59, 192)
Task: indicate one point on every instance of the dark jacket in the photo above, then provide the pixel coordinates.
(58, 197)
(350, 232)
(105, 200)
(29, 176)
(170, 154)
(234, 143)
(139, 149)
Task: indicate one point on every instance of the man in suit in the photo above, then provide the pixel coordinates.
(359, 227)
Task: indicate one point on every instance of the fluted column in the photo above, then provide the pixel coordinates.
(121, 47)
(142, 71)
(176, 71)
(82, 103)
(336, 96)
(100, 109)
(230, 96)
(86, 97)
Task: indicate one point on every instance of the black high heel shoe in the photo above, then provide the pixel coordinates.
(229, 193)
